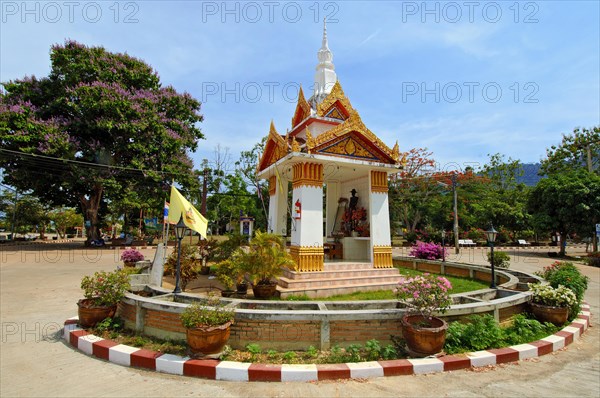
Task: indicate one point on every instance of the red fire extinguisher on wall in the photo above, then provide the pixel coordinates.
(297, 209)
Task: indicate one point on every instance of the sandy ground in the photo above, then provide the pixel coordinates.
(39, 286)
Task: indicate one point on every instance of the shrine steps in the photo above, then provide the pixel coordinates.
(338, 278)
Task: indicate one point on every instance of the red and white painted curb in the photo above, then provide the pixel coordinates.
(242, 371)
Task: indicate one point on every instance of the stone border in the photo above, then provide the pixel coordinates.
(244, 371)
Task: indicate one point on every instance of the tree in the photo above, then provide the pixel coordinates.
(65, 218)
(578, 150)
(411, 188)
(247, 164)
(564, 202)
(504, 202)
(25, 212)
(100, 123)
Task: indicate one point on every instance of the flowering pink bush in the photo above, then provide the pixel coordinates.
(131, 256)
(425, 294)
(427, 251)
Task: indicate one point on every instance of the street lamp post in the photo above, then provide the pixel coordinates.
(443, 247)
(491, 234)
(179, 232)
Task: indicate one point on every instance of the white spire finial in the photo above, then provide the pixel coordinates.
(324, 44)
(325, 77)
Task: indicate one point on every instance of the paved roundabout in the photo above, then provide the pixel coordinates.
(39, 289)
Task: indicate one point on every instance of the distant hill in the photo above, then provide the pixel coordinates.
(530, 175)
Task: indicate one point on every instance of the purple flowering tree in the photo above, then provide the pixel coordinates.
(99, 128)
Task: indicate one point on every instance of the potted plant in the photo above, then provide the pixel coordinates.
(425, 294)
(189, 263)
(233, 271)
(207, 327)
(264, 261)
(226, 271)
(550, 304)
(102, 292)
(207, 249)
(131, 256)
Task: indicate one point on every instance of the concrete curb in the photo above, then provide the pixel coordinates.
(242, 371)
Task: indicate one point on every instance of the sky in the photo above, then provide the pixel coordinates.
(464, 79)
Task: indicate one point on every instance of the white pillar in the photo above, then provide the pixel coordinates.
(307, 226)
(278, 212)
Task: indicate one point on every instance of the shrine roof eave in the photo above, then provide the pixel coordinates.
(356, 165)
(313, 118)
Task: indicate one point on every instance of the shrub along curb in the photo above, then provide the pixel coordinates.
(243, 371)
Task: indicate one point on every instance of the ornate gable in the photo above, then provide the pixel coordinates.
(353, 146)
(276, 148)
(335, 113)
(353, 139)
(336, 100)
(302, 109)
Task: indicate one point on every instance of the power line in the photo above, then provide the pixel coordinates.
(49, 161)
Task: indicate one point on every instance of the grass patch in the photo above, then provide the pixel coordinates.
(459, 285)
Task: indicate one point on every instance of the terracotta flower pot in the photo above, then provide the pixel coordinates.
(129, 264)
(205, 341)
(90, 315)
(547, 313)
(424, 336)
(264, 291)
(227, 293)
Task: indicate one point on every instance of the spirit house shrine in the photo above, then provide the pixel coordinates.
(338, 172)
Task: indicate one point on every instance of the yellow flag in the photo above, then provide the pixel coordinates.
(180, 207)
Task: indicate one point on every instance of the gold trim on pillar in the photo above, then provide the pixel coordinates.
(379, 181)
(308, 174)
(382, 257)
(272, 185)
(307, 259)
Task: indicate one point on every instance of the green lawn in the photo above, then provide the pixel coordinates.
(459, 285)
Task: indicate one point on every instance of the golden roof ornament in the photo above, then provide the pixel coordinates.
(396, 152)
(310, 141)
(295, 145)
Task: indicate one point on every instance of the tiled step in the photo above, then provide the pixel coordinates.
(334, 290)
(346, 265)
(327, 282)
(335, 274)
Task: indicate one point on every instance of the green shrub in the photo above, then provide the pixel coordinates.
(353, 353)
(373, 349)
(501, 259)
(254, 349)
(289, 356)
(482, 332)
(312, 352)
(566, 274)
(525, 330)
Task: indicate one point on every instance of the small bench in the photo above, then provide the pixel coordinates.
(523, 242)
(466, 242)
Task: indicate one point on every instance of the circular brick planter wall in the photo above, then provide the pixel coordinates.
(238, 371)
(295, 325)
